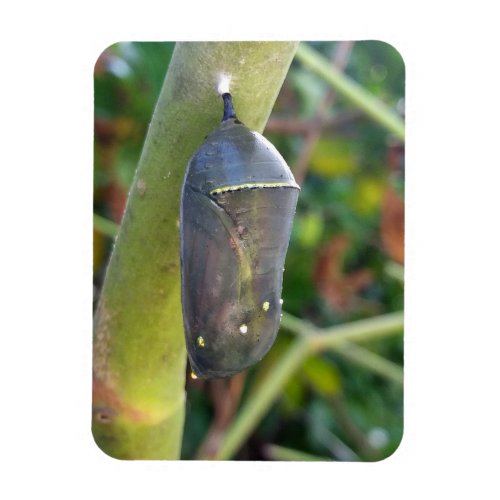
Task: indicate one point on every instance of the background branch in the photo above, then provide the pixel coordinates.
(275, 452)
(309, 341)
(340, 60)
(351, 90)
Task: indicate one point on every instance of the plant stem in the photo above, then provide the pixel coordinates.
(358, 331)
(339, 62)
(310, 341)
(351, 90)
(105, 226)
(350, 350)
(275, 452)
(256, 406)
(298, 326)
(371, 361)
(139, 351)
(395, 270)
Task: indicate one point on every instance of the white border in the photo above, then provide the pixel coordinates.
(451, 403)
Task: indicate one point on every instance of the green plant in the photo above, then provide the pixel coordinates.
(338, 376)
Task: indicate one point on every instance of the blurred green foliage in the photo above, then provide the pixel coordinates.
(349, 225)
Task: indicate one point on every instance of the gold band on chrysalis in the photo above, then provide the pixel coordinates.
(254, 185)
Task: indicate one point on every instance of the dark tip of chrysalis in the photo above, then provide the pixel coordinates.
(228, 107)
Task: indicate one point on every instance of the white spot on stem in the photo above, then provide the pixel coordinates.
(223, 83)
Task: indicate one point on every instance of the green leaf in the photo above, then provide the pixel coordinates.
(322, 375)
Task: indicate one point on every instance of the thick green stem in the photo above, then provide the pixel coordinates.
(139, 350)
(351, 90)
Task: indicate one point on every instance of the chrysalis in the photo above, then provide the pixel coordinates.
(237, 205)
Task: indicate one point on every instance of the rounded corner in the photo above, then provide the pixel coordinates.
(394, 48)
(391, 455)
(101, 53)
(101, 448)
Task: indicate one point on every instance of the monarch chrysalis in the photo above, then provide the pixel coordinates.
(237, 205)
